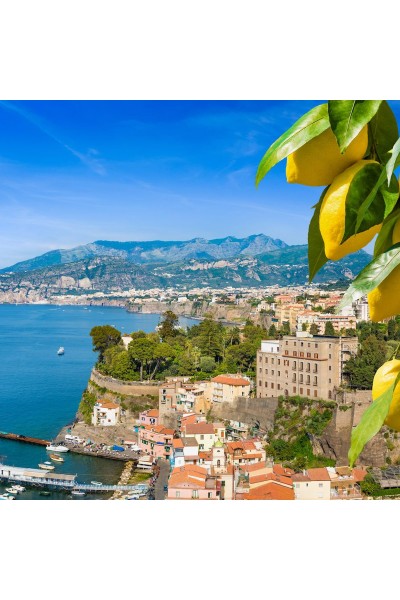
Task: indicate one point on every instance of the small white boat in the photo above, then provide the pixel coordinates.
(57, 448)
(96, 483)
(77, 493)
(12, 490)
(46, 467)
(60, 351)
(19, 488)
(6, 497)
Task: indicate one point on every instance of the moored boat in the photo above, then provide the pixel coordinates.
(56, 458)
(96, 483)
(77, 493)
(46, 467)
(57, 448)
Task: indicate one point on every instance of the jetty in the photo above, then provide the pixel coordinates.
(23, 438)
(61, 482)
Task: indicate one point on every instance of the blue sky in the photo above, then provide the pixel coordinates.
(78, 171)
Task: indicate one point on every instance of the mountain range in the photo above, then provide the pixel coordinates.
(254, 261)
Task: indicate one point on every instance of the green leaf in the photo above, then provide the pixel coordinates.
(393, 160)
(348, 117)
(384, 132)
(372, 275)
(309, 126)
(371, 422)
(390, 194)
(384, 239)
(316, 247)
(364, 204)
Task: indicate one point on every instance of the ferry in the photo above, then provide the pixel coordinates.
(57, 448)
(60, 351)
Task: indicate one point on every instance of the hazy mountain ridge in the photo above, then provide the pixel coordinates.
(286, 266)
(155, 251)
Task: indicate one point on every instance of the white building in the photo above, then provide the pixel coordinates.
(313, 484)
(226, 388)
(105, 414)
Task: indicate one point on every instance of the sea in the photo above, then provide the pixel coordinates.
(40, 391)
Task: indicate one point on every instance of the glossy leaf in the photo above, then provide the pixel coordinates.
(309, 126)
(384, 239)
(348, 117)
(372, 275)
(390, 194)
(371, 422)
(316, 247)
(393, 161)
(384, 132)
(364, 205)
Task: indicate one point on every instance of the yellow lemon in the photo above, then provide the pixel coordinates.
(384, 378)
(332, 216)
(319, 161)
(384, 300)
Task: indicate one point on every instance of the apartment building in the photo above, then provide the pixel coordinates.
(226, 388)
(310, 366)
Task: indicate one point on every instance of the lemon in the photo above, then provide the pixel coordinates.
(384, 300)
(333, 213)
(319, 161)
(384, 378)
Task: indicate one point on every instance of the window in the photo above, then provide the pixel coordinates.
(266, 384)
(260, 369)
(279, 361)
(266, 360)
(286, 352)
(315, 355)
(294, 364)
(308, 345)
(301, 353)
(279, 373)
(330, 356)
(294, 344)
(202, 437)
(272, 360)
(279, 386)
(308, 393)
(320, 485)
(316, 345)
(209, 495)
(195, 494)
(177, 494)
(266, 371)
(272, 372)
(315, 394)
(330, 368)
(301, 344)
(301, 378)
(301, 366)
(330, 380)
(295, 353)
(294, 389)
(308, 354)
(272, 385)
(315, 382)
(260, 382)
(294, 377)
(286, 343)
(330, 345)
(315, 370)
(301, 390)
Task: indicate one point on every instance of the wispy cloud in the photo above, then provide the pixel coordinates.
(89, 159)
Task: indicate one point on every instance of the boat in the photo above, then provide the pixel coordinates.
(44, 493)
(6, 497)
(57, 448)
(77, 493)
(60, 351)
(12, 490)
(46, 467)
(19, 488)
(96, 483)
(56, 458)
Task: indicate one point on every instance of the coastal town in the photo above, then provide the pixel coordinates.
(224, 436)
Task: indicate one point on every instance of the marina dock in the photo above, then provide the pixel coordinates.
(60, 481)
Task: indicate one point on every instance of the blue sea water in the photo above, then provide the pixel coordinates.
(40, 391)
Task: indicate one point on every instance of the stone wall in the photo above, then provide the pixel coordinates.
(131, 388)
(248, 410)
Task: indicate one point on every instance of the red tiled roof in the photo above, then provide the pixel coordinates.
(230, 380)
(177, 443)
(318, 474)
(279, 470)
(108, 404)
(154, 412)
(359, 474)
(270, 491)
(193, 428)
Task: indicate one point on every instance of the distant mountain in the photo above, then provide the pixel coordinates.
(287, 266)
(156, 251)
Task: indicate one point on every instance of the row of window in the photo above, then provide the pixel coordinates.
(301, 354)
(302, 344)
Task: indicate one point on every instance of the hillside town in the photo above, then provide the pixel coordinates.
(224, 435)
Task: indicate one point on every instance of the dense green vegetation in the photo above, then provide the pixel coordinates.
(371, 488)
(297, 420)
(86, 406)
(202, 351)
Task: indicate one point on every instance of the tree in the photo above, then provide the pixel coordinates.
(329, 329)
(304, 326)
(314, 329)
(168, 325)
(142, 351)
(391, 329)
(207, 364)
(360, 370)
(103, 337)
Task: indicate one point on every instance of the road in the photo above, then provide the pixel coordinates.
(162, 479)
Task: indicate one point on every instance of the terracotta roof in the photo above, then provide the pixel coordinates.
(108, 404)
(270, 491)
(154, 412)
(254, 467)
(189, 441)
(205, 455)
(279, 470)
(190, 476)
(318, 474)
(300, 477)
(177, 443)
(359, 474)
(193, 428)
(230, 380)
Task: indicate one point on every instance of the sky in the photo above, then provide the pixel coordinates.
(72, 172)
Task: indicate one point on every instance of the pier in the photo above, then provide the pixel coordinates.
(23, 438)
(61, 482)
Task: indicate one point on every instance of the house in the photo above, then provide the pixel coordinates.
(190, 450)
(345, 482)
(149, 417)
(226, 388)
(105, 413)
(269, 491)
(192, 482)
(155, 440)
(245, 452)
(312, 484)
(204, 434)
